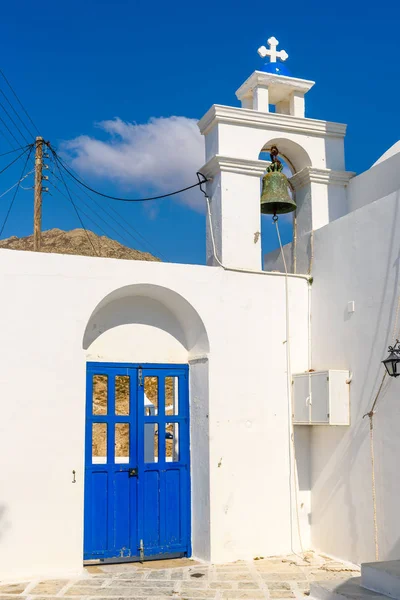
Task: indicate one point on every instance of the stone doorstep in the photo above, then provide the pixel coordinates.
(382, 577)
(349, 589)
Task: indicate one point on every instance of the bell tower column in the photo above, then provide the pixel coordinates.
(234, 198)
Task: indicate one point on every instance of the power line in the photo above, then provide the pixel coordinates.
(77, 212)
(126, 227)
(90, 208)
(15, 194)
(18, 182)
(121, 225)
(185, 189)
(19, 101)
(17, 115)
(18, 157)
(14, 149)
(13, 122)
(10, 132)
(83, 212)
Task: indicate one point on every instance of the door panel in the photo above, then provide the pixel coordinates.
(137, 480)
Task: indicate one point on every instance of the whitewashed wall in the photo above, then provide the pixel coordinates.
(56, 311)
(356, 259)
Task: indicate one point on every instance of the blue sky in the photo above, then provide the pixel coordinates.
(75, 64)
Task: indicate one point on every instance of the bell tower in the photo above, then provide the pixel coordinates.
(272, 113)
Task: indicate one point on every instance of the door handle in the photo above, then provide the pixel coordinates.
(133, 472)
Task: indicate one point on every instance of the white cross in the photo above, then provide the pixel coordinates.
(272, 52)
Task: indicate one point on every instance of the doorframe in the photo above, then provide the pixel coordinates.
(144, 365)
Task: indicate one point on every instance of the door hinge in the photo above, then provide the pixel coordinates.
(140, 376)
(141, 551)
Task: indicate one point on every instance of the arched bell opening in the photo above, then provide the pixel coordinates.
(292, 158)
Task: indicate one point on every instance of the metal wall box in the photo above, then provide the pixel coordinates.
(321, 398)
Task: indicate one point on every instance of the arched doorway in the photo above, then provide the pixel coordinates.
(139, 341)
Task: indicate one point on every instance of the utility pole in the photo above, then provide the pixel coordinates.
(37, 209)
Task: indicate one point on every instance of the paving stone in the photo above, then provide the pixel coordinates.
(283, 579)
(162, 574)
(277, 568)
(194, 584)
(237, 566)
(179, 575)
(248, 585)
(270, 577)
(39, 597)
(138, 593)
(129, 592)
(221, 585)
(303, 585)
(327, 575)
(13, 588)
(234, 576)
(189, 596)
(49, 588)
(132, 575)
(90, 582)
(193, 593)
(278, 585)
(135, 584)
(248, 594)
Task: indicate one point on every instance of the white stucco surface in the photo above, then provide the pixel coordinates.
(356, 259)
(58, 311)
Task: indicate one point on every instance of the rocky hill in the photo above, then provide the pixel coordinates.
(76, 242)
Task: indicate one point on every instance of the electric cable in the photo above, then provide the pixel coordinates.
(13, 122)
(18, 100)
(10, 132)
(77, 212)
(18, 182)
(15, 150)
(151, 248)
(86, 215)
(18, 157)
(32, 135)
(15, 194)
(185, 189)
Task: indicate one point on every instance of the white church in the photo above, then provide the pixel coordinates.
(253, 439)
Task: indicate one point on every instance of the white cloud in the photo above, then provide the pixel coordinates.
(162, 155)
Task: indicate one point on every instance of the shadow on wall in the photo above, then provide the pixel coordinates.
(349, 449)
(136, 310)
(4, 525)
(153, 306)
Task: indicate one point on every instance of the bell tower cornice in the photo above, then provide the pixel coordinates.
(230, 115)
(286, 93)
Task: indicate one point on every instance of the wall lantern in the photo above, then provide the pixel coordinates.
(393, 360)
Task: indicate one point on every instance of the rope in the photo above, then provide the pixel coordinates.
(292, 447)
(371, 441)
(370, 415)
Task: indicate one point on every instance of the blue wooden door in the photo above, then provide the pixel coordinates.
(137, 478)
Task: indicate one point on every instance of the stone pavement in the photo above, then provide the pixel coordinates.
(275, 578)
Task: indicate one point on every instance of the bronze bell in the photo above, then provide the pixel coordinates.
(275, 197)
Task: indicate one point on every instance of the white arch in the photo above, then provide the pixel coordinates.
(137, 315)
(294, 154)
